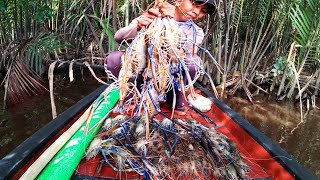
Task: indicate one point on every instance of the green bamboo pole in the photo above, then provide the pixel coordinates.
(65, 162)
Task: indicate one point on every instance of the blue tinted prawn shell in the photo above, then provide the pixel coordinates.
(141, 129)
(174, 68)
(108, 143)
(92, 150)
(116, 132)
(141, 146)
(111, 122)
(242, 168)
(121, 159)
(162, 97)
(232, 173)
(166, 122)
(139, 52)
(107, 123)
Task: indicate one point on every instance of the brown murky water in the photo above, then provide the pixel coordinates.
(277, 120)
(21, 121)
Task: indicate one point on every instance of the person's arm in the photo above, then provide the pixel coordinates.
(130, 31)
(127, 32)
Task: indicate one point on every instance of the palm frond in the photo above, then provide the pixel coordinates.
(24, 63)
(302, 21)
(20, 81)
(106, 29)
(36, 53)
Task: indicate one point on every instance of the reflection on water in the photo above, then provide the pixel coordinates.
(277, 119)
(21, 121)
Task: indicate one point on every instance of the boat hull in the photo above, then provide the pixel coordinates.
(266, 159)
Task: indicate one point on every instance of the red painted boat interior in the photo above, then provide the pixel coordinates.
(262, 165)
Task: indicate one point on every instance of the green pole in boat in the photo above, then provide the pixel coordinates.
(65, 162)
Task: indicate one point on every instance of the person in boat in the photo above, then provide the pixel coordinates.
(181, 11)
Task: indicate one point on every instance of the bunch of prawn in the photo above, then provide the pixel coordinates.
(157, 57)
(180, 150)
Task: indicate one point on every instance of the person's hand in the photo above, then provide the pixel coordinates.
(146, 18)
(166, 9)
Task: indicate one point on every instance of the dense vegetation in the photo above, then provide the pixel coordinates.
(263, 46)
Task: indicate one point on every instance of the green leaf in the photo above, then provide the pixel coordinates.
(276, 66)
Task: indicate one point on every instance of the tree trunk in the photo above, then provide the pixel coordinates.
(15, 17)
(127, 18)
(27, 20)
(60, 10)
(143, 4)
(114, 19)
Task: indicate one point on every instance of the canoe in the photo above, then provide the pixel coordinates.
(266, 159)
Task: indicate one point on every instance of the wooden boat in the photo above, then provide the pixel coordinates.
(266, 159)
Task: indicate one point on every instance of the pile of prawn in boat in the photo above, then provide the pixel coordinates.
(167, 148)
